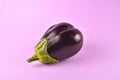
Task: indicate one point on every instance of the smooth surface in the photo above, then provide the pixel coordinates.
(23, 22)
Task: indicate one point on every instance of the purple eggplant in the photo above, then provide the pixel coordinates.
(59, 42)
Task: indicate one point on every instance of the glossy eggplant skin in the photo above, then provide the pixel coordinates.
(64, 41)
(56, 29)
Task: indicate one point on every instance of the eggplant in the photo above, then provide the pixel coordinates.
(60, 41)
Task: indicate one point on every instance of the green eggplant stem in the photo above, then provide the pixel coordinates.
(33, 58)
(41, 53)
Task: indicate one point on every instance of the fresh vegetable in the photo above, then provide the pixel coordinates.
(59, 42)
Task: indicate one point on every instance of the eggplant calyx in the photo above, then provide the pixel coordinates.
(41, 53)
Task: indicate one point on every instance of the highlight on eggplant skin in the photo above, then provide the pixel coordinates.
(62, 41)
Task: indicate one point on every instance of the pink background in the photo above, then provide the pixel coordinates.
(23, 22)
